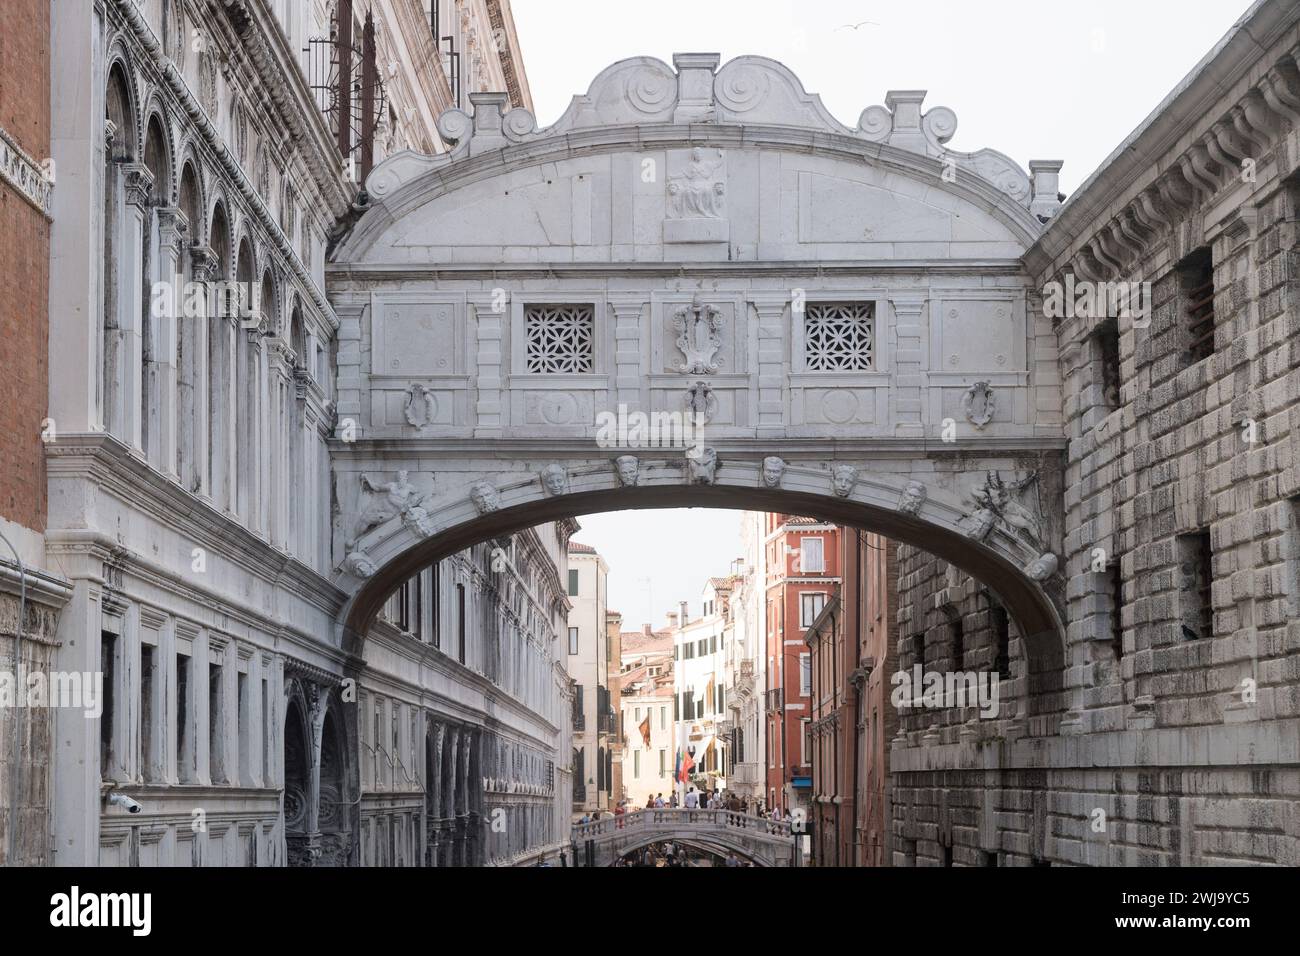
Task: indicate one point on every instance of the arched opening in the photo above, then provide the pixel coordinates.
(153, 333)
(1030, 608)
(335, 808)
(190, 338)
(220, 339)
(119, 150)
(297, 754)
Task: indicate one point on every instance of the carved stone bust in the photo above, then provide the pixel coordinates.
(485, 497)
(628, 469)
(555, 479)
(773, 471)
(702, 466)
(913, 497)
(843, 478)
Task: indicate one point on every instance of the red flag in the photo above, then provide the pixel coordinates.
(687, 765)
(644, 727)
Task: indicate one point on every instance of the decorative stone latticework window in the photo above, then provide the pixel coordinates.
(838, 337)
(560, 338)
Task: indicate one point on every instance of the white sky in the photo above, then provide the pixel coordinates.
(1035, 79)
(677, 549)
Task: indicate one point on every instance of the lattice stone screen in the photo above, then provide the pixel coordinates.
(838, 337)
(560, 338)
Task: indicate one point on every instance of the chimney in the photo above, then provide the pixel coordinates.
(649, 632)
(672, 618)
(685, 615)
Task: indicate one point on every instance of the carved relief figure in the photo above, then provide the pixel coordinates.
(978, 404)
(391, 499)
(421, 406)
(995, 501)
(628, 469)
(1042, 567)
(913, 497)
(843, 478)
(698, 192)
(419, 520)
(699, 329)
(555, 479)
(703, 466)
(701, 402)
(773, 471)
(485, 497)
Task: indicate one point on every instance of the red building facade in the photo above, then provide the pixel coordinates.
(803, 573)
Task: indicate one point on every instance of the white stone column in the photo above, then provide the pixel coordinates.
(628, 365)
(772, 364)
(172, 230)
(130, 303)
(195, 427)
(490, 360)
(910, 364)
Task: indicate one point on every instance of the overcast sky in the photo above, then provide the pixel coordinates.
(1035, 79)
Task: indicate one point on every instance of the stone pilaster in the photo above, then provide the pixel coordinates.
(909, 365)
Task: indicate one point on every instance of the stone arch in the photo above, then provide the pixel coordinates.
(158, 155)
(190, 198)
(685, 838)
(441, 525)
(297, 771)
(122, 102)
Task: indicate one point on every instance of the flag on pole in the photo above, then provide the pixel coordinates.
(687, 765)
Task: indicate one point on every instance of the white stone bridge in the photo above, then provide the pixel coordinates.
(755, 838)
(842, 310)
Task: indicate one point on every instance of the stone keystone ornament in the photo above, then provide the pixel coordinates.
(913, 497)
(421, 406)
(702, 466)
(628, 469)
(1042, 567)
(843, 478)
(485, 497)
(359, 564)
(699, 336)
(773, 471)
(555, 480)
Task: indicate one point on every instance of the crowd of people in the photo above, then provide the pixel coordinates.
(694, 800)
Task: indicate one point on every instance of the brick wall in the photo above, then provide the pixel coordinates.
(24, 252)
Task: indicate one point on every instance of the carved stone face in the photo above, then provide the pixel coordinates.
(628, 468)
(554, 479)
(843, 478)
(484, 497)
(773, 471)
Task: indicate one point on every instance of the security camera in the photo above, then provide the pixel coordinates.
(125, 802)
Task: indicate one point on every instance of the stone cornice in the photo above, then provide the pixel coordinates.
(110, 466)
(1187, 150)
(339, 273)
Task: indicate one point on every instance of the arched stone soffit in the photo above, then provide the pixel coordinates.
(155, 112)
(751, 103)
(935, 520)
(719, 846)
(119, 63)
(198, 235)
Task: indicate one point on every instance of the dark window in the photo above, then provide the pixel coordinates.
(573, 582)
(918, 648)
(956, 643)
(573, 640)
(245, 721)
(1197, 277)
(1001, 626)
(404, 606)
(1196, 572)
(1116, 587)
(107, 664)
(435, 593)
(460, 621)
(216, 718)
(147, 658)
(1106, 342)
(183, 740)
